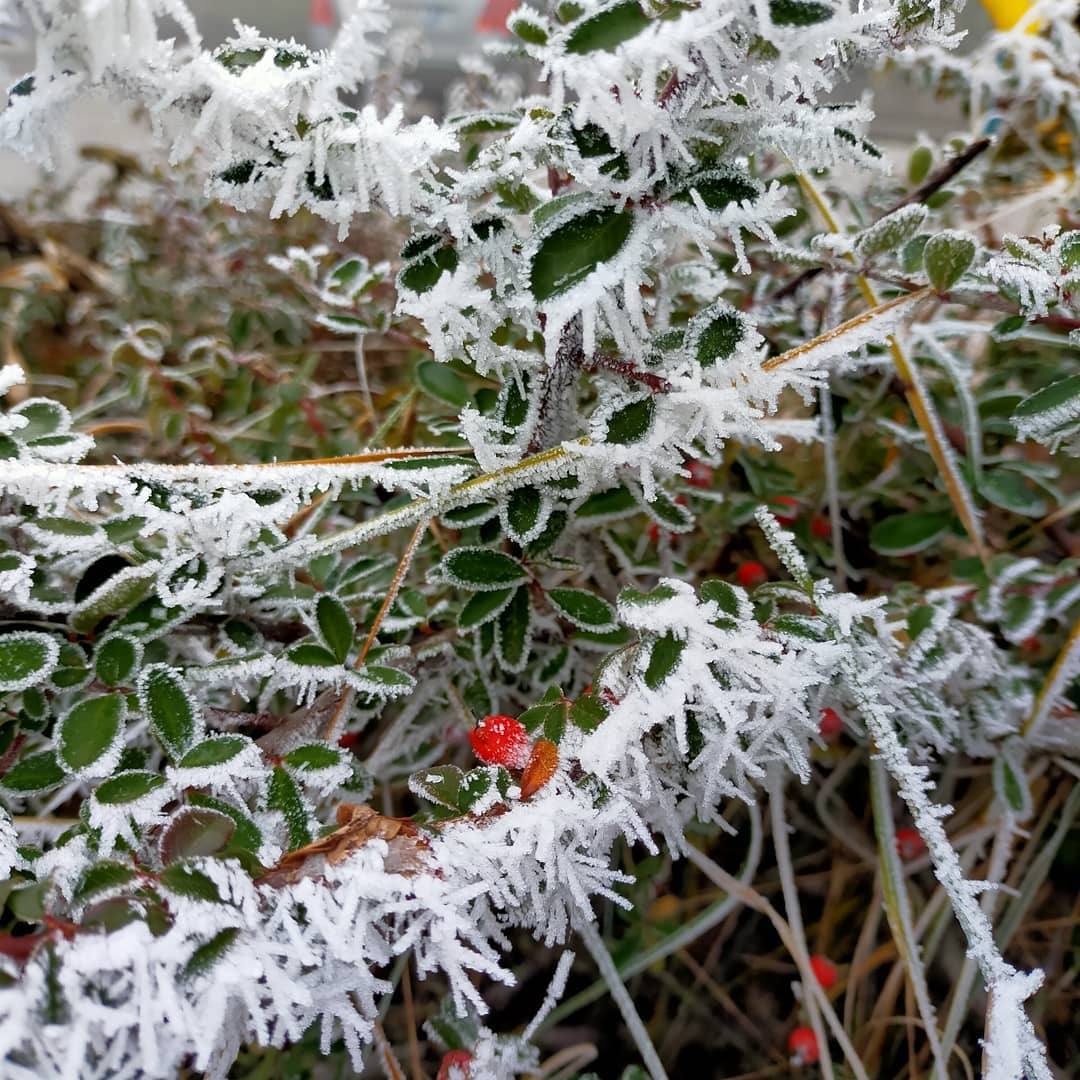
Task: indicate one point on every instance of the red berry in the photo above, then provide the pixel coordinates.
(456, 1065)
(501, 740)
(751, 575)
(654, 533)
(824, 971)
(785, 509)
(701, 475)
(1031, 644)
(909, 844)
(803, 1047)
(821, 527)
(830, 724)
(349, 739)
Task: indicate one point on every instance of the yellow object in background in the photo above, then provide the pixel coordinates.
(1007, 13)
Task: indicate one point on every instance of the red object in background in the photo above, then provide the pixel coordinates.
(456, 1065)
(751, 575)
(701, 475)
(824, 971)
(785, 509)
(501, 740)
(322, 13)
(821, 527)
(493, 18)
(909, 844)
(349, 740)
(830, 724)
(803, 1047)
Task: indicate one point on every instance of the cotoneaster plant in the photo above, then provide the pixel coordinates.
(407, 595)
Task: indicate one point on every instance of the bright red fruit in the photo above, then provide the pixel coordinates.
(1031, 644)
(831, 724)
(803, 1047)
(540, 768)
(456, 1065)
(824, 971)
(751, 575)
(785, 509)
(501, 740)
(701, 475)
(821, 527)
(349, 739)
(909, 844)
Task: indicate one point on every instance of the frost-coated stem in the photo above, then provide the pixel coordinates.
(782, 848)
(898, 910)
(1065, 667)
(602, 958)
(832, 487)
(995, 873)
(1012, 1046)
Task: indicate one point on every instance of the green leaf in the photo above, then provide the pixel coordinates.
(382, 677)
(190, 883)
(631, 423)
(583, 608)
(1059, 397)
(608, 28)
(799, 12)
(526, 25)
(335, 625)
(168, 706)
(120, 593)
(247, 835)
(116, 659)
(906, 534)
(284, 796)
(608, 505)
(482, 607)
(482, 569)
(440, 785)
(513, 630)
(922, 157)
(723, 594)
(718, 188)
(523, 509)
(1011, 491)
(44, 418)
(217, 750)
(26, 657)
(946, 257)
(312, 655)
(210, 953)
(664, 658)
(891, 232)
(442, 382)
(715, 333)
(421, 274)
(34, 773)
(588, 712)
(314, 757)
(195, 832)
(128, 787)
(89, 731)
(102, 877)
(571, 252)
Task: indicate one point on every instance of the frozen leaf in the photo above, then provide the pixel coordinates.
(194, 832)
(116, 660)
(513, 630)
(664, 657)
(88, 736)
(583, 608)
(799, 12)
(442, 383)
(26, 658)
(571, 252)
(946, 257)
(167, 704)
(482, 607)
(335, 625)
(891, 232)
(34, 773)
(482, 569)
(631, 423)
(608, 28)
(128, 787)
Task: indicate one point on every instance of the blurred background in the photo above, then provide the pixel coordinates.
(429, 38)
